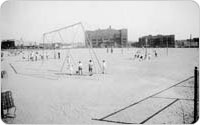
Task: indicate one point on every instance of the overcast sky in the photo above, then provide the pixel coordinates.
(29, 19)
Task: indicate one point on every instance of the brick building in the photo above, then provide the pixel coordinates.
(108, 37)
(157, 41)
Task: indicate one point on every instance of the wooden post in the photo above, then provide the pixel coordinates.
(196, 95)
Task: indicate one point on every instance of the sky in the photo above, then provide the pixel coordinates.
(30, 19)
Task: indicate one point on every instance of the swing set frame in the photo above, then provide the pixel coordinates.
(88, 45)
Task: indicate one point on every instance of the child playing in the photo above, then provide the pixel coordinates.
(156, 54)
(103, 66)
(90, 67)
(58, 55)
(47, 55)
(111, 50)
(149, 56)
(80, 68)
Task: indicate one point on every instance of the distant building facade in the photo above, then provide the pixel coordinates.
(188, 43)
(157, 41)
(18, 44)
(8, 44)
(108, 37)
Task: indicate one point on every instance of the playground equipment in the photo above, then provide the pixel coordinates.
(69, 38)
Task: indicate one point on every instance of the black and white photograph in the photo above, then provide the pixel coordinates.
(99, 62)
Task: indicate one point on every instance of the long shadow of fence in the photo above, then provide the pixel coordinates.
(195, 77)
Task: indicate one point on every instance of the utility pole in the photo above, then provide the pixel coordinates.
(190, 40)
(167, 46)
(43, 47)
(146, 40)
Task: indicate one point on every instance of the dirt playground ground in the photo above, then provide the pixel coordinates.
(42, 95)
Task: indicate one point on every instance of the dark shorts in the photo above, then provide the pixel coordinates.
(90, 69)
(79, 68)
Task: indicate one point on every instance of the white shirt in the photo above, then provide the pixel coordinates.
(104, 64)
(90, 64)
(80, 65)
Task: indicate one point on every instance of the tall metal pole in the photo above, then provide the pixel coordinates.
(146, 47)
(190, 39)
(196, 86)
(43, 46)
(167, 46)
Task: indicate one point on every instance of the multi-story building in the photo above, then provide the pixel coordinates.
(157, 41)
(188, 43)
(107, 37)
(8, 44)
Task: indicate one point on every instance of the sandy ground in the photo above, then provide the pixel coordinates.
(42, 95)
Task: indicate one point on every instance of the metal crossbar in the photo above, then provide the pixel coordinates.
(63, 28)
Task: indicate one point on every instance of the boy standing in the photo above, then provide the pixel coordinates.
(58, 55)
(90, 67)
(80, 68)
(103, 66)
(156, 54)
(111, 50)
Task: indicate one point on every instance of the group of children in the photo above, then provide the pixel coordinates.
(111, 50)
(35, 56)
(142, 55)
(90, 67)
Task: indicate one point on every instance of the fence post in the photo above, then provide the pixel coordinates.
(196, 94)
